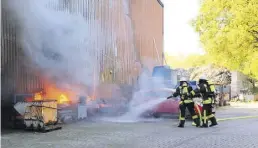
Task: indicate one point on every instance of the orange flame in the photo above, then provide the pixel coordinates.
(51, 91)
(63, 99)
(64, 95)
(61, 95)
(38, 96)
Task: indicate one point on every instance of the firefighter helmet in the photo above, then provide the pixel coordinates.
(203, 78)
(183, 79)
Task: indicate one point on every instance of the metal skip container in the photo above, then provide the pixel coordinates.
(39, 115)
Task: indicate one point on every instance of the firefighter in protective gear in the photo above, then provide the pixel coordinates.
(186, 101)
(207, 90)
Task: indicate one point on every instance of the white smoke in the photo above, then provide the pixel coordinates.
(150, 93)
(58, 39)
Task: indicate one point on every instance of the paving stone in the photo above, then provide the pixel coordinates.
(162, 134)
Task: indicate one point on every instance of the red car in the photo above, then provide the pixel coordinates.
(166, 107)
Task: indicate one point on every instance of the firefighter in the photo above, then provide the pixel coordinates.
(207, 90)
(186, 101)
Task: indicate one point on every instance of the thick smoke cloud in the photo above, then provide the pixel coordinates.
(60, 43)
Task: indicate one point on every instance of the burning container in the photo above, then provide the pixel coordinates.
(64, 108)
(39, 115)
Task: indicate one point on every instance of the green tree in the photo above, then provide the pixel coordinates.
(229, 32)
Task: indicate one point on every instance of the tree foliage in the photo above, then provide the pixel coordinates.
(229, 32)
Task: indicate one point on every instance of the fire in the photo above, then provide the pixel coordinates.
(63, 99)
(38, 96)
(62, 94)
(52, 92)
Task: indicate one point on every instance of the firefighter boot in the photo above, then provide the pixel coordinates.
(181, 123)
(193, 124)
(204, 124)
(197, 122)
(213, 122)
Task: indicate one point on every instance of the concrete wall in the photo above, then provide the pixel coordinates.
(239, 82)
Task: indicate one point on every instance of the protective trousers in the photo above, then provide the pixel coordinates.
(208, 115)
(190, 107)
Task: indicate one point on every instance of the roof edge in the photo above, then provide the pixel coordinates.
(161, 4)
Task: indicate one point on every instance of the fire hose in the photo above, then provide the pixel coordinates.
(199, 112)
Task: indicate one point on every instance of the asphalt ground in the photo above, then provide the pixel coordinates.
(237, 129)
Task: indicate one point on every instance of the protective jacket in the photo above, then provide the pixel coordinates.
(184, 93)
(206, 91)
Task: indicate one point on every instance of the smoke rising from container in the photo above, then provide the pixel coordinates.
(59, 41)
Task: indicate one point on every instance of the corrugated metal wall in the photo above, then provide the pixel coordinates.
(15, 76)
(147, 16)
(132, 30)
(119, 55)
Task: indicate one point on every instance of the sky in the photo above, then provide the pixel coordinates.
(179, 37)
